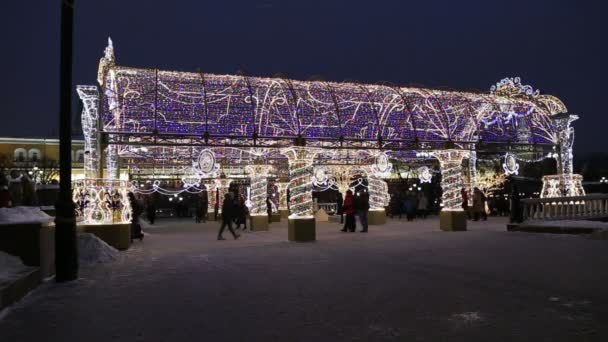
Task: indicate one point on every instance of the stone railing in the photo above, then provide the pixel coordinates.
(566, 208)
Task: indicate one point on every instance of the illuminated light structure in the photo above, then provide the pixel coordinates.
(89, 95)
(258, 193)
(101, 201)
(452, 216)
(176, 115)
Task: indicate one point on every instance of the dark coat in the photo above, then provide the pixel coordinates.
(227, 210)
(349, 204)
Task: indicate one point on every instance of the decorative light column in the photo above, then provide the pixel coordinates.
(569, 184)
(283, 210)
(258, 175)
(301, 221)
(89, 95)
(377, 188)
(452, 216)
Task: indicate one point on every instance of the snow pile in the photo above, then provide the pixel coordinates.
(10, 267)
(23, 215)
(570, 224)
(92, 250)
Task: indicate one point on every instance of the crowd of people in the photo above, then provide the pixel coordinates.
(353, 206)
(17, 189)
(409, 204)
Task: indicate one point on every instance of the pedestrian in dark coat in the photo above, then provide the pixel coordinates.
(363, 209)
(349, 210)
(516, 215)
(227, 217)
(136, 211)
(268, 208)
(339, 210)
(242, 212)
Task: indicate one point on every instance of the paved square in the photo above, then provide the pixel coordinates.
(405, 281)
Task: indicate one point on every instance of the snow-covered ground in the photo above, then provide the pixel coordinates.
(11, 267)
(92, 250)
(23, 215)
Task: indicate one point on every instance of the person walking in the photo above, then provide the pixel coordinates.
(204, 205)
(422, 205)
(465, 202)
(269, 209)
(241, 214)
(136, 211)
(5, 195)
(479, 205)
(15, 188)
(227, 216)
(198, 209)
(363, 210)
(339, 211)
(29, 191)
(516, 215)
(409, 207)
(349, 210)
(151, 208)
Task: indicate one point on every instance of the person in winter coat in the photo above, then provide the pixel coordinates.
(268, 208)
(241, 213)
(136, 211)
(15, 188)
(349, 210)
(5, 195)
(227, 217)
(422, 205)
(363, 209)
(465, 201)
(479, 205)
(151, 208)
(29, 191)
(339, 211)
(516, 215)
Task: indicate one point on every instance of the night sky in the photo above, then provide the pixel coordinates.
(556, 46)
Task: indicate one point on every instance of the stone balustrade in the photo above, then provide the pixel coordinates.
(565, 208)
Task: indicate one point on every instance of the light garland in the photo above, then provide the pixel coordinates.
(101, 201)
(258, 174)
(89, 121)
(451, 177)
(300, 174)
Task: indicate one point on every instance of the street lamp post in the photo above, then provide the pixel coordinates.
(66, 253)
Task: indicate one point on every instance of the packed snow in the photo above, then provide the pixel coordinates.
(92, 250)
(10, 267)
(23, 215)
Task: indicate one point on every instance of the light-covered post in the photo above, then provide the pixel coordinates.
(301, 221)
(283, 209)
(452, 216)
(258, 175)
(89, 95)
(568, 184)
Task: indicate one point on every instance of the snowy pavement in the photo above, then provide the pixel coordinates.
(400, 282)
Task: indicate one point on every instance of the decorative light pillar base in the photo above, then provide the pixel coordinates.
(275, 217)
(453, 220)
(258, 222)
(115, 235)
(302, 229)
(284, 213)
(376, 217)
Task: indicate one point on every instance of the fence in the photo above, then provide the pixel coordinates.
(566, 208)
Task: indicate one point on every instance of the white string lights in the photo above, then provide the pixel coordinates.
(258, 174)
(300, 173)
(101, 201)
(451, 177)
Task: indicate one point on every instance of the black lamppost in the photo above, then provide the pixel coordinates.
(66, 252)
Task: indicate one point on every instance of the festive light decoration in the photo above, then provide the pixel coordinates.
(300, 173)
(156, 122)
(101, 201)
(451, 177)
(259, 188)
(510, 165)
(424, 174)
(90, 100)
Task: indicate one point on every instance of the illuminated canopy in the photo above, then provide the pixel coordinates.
(141, 103)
